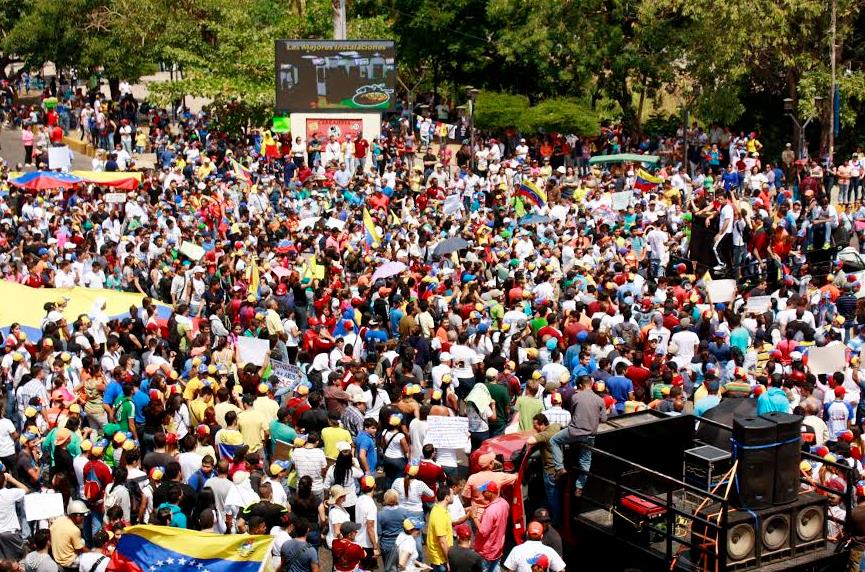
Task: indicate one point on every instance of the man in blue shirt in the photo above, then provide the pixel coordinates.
(711, 400)
(620, 387)
(775, 399)
(364, 442)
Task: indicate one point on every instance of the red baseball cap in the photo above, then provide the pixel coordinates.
(839, 391)
(463, 531)
(490, 486)
(535, 529)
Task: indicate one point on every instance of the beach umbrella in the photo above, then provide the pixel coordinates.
(387, 270)
(41, 180)
(450, 245)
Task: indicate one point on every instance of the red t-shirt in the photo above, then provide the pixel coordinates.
(360, 148)
(346, 555)
(431, 474)
(638, 375)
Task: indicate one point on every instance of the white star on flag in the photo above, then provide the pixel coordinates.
(170, 561)
(181, 561)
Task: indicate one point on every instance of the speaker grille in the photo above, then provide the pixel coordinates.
(741, 540)
(776, 532)
(809, 523)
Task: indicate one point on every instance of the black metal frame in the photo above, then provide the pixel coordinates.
(671, 484)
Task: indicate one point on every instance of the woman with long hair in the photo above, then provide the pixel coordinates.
(345, 472)
(304, 505)
(117, 494)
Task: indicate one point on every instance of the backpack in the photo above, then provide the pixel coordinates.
(135, 496)
(93, 487)
(111, 498)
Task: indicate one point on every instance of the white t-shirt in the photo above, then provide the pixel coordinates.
(467, 357)
(687, 341)
(518, 559)
(87, 561)
(726, 218)
(365, 510)
(7, 445)
(8, 514)
(335, 518)
(189, 463)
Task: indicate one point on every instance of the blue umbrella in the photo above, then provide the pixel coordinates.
(450, 245)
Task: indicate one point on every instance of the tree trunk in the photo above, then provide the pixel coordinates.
(792, 93)
(114, 88)
(640, 107)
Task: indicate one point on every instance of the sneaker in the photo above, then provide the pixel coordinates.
(827, 246)
(578, 493)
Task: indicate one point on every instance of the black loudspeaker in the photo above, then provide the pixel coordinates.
(810, 519)
(758, 538)
(788, 455)
(755, 475)
(743, 543)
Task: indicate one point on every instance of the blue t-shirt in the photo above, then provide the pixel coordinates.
(773, 400)
(364, 442)
(140, 399)
(112, 392)
(706, 404)
(619, 387)
(298, 554)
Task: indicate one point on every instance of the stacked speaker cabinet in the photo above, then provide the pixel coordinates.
(758, 538)
(755, 475)
(788, 454)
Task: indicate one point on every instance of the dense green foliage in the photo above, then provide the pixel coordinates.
(571, 62)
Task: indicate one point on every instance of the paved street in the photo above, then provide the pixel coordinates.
(12, 150)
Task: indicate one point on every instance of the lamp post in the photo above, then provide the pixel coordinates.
(473, 94)
(789, 111)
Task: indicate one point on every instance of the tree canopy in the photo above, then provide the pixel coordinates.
(573, 61)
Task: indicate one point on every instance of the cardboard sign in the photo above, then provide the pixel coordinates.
(447, 432)
(452, 205)
(252, 350)
(828, 359)
(115, 198)
(42, 506)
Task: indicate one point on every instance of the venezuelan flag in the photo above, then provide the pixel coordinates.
(530, 192)
(646, 181)
(241, 172)
(372, 236)
(146, 548)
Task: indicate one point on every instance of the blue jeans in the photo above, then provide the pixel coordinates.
(490, 566)
(584, 457)
(554, 497)
(92, 525)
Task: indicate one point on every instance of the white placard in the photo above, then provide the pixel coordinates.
(828, 359)
(335, 223)
(280, 272)
(42, 506)
(252, 350)
(115, 198)
(622, 200)
(758, 304)
(452, 204)
(721, 291)
(59, 158)
(191, 251)
(447, 432)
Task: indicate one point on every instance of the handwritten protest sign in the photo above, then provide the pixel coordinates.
(447, 432)
(622, 200)
(192, 251)
(288, 374)
(115, 198)
(758, 304)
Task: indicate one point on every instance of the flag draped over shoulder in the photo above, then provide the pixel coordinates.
(372, 236)
(646, 181)
(531, 193)
(147, 548)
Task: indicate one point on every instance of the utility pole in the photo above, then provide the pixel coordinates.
(832, 110)
(339, 25)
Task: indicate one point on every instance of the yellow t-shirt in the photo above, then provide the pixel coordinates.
(192, 386)
(330, 436)
(439, 525)
(65, 541)
(253, 427)
(267, 407)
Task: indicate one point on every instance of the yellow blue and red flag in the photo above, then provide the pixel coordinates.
(646, 181)
(372, 237)
(147, 548)
(532, 193)
(241, 172)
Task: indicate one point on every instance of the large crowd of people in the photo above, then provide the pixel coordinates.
(503, 278)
